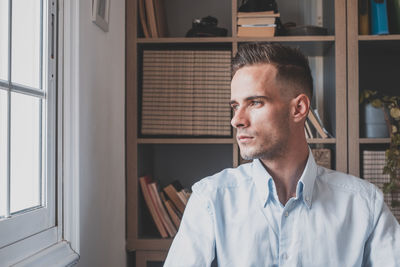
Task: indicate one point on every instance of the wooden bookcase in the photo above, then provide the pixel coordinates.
(190, 159)
(373, 63)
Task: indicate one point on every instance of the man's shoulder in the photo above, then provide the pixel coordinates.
(227, 178)
(345, 182)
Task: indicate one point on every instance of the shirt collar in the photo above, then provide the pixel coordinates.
(308, 179)
(304, 187)
(261, 177)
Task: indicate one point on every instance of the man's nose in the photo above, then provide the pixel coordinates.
(240, 119)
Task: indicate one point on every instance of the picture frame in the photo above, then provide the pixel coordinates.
(101, 13)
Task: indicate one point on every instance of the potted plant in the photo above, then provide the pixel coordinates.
(391, 107)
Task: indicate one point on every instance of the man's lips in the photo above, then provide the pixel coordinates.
(244, 138)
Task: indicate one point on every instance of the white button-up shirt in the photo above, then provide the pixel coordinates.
(334, 220)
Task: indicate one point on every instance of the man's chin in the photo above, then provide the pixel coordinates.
(248, 156)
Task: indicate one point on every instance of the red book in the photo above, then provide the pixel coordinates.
(144, 181)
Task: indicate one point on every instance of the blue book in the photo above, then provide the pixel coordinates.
(379, 17)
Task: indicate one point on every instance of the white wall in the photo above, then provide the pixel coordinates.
(101, 135)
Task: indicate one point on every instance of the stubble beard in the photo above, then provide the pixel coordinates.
(271, 149)
(272, 146)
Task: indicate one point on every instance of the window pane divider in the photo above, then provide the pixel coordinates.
(8, 206)
(26, 90)
(22, 89)
(41, 200)
(4, 85)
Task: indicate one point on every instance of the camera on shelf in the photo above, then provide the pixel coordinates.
(206, 27)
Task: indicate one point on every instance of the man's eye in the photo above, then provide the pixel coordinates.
(255, 103)
(234, 107)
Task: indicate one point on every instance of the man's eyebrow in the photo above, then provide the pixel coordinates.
(256, 97)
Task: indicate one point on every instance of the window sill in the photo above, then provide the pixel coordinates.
(59, 254)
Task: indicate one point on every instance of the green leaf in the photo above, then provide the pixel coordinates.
(376, 103)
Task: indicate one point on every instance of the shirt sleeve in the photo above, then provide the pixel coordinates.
(383, 245)
(194, 244)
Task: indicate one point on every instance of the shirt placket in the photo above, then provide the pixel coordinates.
(286, 232)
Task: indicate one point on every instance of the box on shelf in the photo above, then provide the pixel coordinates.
(373, 163)
(322, 157)
(185, 92)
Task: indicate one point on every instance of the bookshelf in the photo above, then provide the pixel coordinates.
(373, 63)
(191, 158)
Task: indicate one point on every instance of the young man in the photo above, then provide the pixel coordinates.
(281, 209)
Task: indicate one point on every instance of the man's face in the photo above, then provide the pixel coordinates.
(261, 114)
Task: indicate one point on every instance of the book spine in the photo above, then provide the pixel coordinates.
(151, 17)
(161, 210)
(143, 19)
(162, 25)
(308, 128)
(182, 197)
(363, 17)
(256, 31)
(316, 125)
(173, 196)
(379, 18)
(394, 16)
(146, 194)
(174, 215)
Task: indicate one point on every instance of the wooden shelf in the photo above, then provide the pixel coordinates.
(310, 45)
(216, 141)
(185, 40)
(328, 38)
(186, 141)
(374, 140)
(149, 244)
(321, 140)
(379, 37)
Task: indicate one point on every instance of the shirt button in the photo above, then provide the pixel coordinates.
(286, 214)
(284, 256)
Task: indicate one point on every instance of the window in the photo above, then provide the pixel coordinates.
(27, 119)
(39, 160)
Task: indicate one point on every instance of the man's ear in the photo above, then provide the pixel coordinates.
(299, 107)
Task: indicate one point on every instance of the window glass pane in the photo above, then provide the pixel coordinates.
(26, 42)
(3, 152)
(3, 39)
(25, 149)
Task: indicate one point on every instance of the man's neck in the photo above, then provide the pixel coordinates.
(287, 170)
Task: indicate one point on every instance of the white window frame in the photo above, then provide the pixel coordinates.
(58, 245)
(41, 217)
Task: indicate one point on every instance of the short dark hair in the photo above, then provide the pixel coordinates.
(292, 66)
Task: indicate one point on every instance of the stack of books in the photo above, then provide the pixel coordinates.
(186, 92)
(256, 24)
(373, 163)
(314, 127)
(166, 207)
